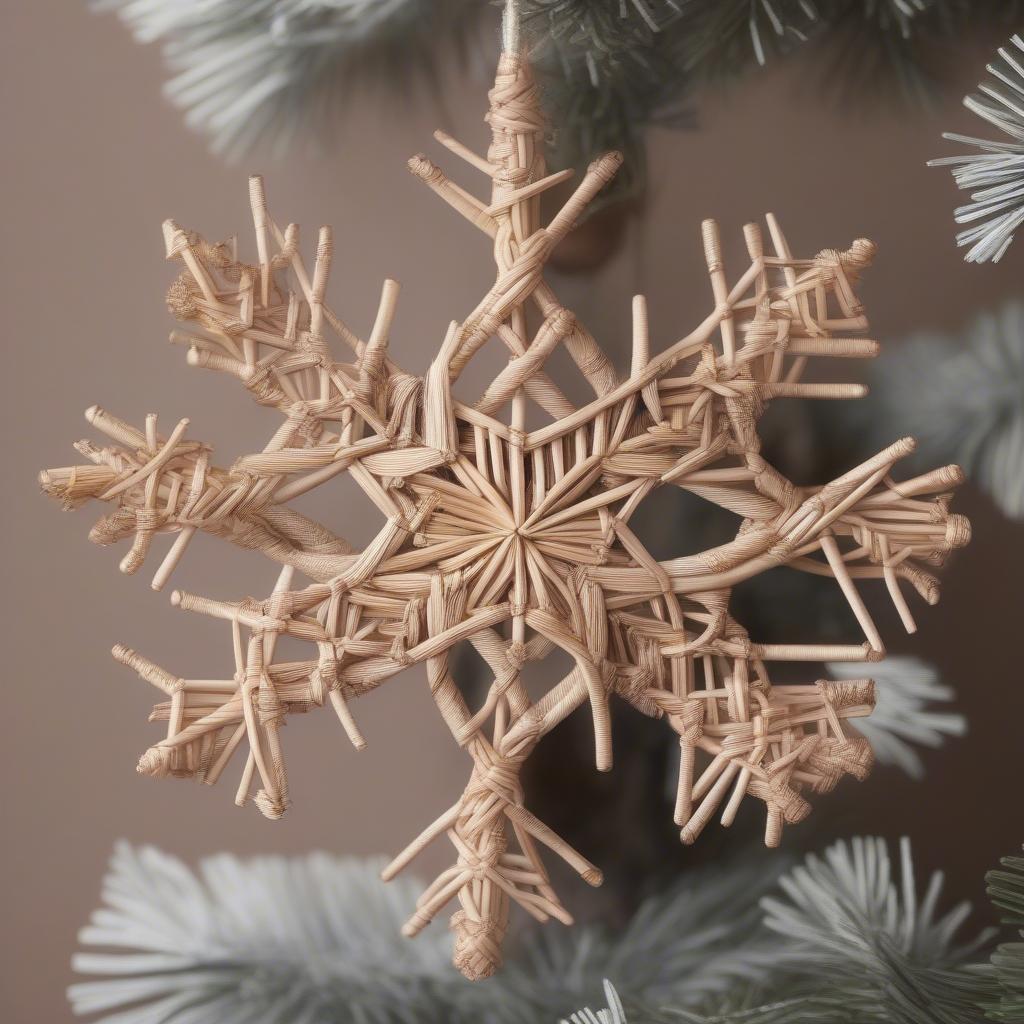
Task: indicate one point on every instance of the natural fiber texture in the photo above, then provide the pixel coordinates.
(517, 539)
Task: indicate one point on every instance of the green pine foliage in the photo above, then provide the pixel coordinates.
(1006, 890)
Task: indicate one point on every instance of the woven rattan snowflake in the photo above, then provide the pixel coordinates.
(517, 540)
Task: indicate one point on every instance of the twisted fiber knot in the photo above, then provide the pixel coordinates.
(252, 605)
(847, 693)
(870, 538)
(181, 297)
(238, 497)
(606, 166)
(938, 512)
(155, 762)
(148, 520)
(748, 526)
(783, 798)
(501, 148)
(511, 176)
(480, 862)
(482, 325)
(924, 582)
(326, 675)
(515, 655)
(255, 376)
(306, 423)
(147, 670)
(827, 261)
(494, 774)
(738, 637)
(530, 727)
(936, 557)
(271, 708)
(746, 545)
(770, 482)
(685, 715)
(284, 256)
(401, 391)
(425, 169)
(222, 322)
(781, 550)
(218, 254)
(506, 247)
(834, 757)
(635, 686)
(262, 389)
(763, 329)
(313, 343)
(822, 500)
(111, 528)
(958, 532)
(744, 412)
(272, 807)
(514, 101)
(516, 437)
(398, 652)
(560, 321)
(264, 621)
(707, 372)
(478, 944)
(859, 256)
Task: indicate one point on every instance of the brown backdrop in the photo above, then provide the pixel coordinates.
(95, 159)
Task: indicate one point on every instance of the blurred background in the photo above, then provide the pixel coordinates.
(95, 158)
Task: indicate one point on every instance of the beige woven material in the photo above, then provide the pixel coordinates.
(518, 540)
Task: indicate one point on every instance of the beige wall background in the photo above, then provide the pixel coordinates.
(94, 160)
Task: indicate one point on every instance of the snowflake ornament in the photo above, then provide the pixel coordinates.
(517, 540)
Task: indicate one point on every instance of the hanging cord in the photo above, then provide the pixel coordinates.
(510, 27)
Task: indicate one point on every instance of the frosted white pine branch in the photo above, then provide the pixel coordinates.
(272, 72)
(308, 940)
(994, 175)
(962, 396)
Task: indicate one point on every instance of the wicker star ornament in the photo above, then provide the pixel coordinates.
(515, 540)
